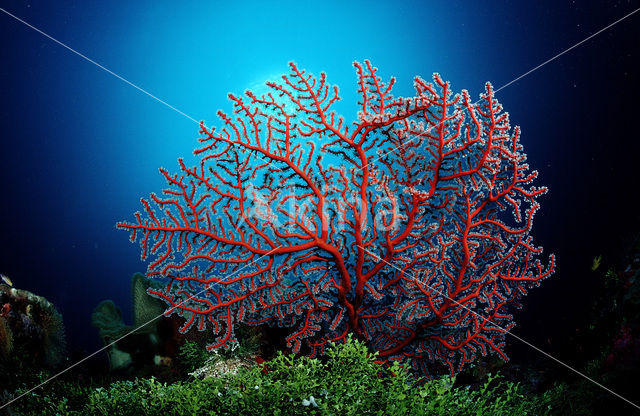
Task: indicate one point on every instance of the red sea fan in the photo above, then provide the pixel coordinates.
(408, 227)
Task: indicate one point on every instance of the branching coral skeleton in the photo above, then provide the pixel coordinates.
(426, 182)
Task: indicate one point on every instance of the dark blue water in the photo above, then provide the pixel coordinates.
(79, 147)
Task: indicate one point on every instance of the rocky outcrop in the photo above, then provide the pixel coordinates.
(30, 326)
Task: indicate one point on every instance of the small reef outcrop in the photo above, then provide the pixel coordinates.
(150, 341)
(31, 328)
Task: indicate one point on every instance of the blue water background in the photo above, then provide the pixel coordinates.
(79, 147)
